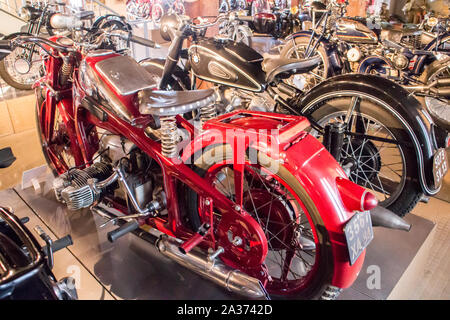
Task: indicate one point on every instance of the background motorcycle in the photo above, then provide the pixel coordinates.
(378, 144)
(26, 266)
(264, 21)
(113, 146)
(348, 45)
(21, 68)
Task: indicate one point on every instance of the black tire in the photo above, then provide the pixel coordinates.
(217, 153)
(288, 52)
(411, 192)
(4, 70)
(438, 109)
(180, 79)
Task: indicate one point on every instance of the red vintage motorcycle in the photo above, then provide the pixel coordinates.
(248, 199)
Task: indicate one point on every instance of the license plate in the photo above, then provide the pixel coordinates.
(440, 166)
(358, 232)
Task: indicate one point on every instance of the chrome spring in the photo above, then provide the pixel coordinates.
(169, 136)
(207, 113)
(66, 71)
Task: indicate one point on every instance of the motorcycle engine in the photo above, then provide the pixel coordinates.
(231, 99)
(82, 188)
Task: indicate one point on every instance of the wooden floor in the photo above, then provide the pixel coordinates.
(434, 283)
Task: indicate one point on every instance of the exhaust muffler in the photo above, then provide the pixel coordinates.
(198, 262)
(214, 270)
(382, 217)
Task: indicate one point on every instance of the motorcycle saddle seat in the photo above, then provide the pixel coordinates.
(285, 67)
(171, 103)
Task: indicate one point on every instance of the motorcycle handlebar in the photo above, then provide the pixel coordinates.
(39, 41)
(144, 42)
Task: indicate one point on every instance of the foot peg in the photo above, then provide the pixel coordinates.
(198, 237)
(130, 226)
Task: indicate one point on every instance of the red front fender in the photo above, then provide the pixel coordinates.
(305, 157)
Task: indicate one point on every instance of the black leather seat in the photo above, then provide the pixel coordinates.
(283, 67)
(170, 103)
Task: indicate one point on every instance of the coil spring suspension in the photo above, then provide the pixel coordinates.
(66, 70)
(169, 136)
(207, 113)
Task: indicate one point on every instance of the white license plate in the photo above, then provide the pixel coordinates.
(359, 233)
(440, 166)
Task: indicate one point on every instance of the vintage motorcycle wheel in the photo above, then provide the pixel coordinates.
(180, 80)
(15, 68)
(439, 108)
(299, 260)
(56, 147)
(388, 167)
(306, 82)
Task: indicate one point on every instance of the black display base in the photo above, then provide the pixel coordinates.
(133, 269)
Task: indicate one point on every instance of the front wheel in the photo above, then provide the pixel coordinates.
(22, 67)
(299, 261)
(377, 145)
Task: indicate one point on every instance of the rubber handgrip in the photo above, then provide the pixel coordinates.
(143, 41)
(62, 243)
(122, 230)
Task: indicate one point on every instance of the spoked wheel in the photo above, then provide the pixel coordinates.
(439, 107)
(298, 262)
(21, 68)
(308, 80)
(55, 140)
(375, 147)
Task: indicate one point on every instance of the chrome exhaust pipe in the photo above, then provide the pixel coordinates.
(213, 269)
(382, 217)
(231, 279)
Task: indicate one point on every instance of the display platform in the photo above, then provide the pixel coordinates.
(133, 269)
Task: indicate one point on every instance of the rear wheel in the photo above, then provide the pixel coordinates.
(375, 147)
(299, 261)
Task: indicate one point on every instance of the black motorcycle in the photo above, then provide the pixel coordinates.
(380, 134)
(348, 44)
(25, 266)
(263, 22)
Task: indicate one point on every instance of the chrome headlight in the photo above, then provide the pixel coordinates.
(25, 13)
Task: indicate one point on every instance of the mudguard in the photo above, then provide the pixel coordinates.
(404, 106)
(307, 160)
(370, 62)
(335, 64)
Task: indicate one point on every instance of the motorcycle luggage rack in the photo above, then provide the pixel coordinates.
(289, 127)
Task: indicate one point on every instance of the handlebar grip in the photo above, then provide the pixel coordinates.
(144, 42)
(63, 21)
(62, 243)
